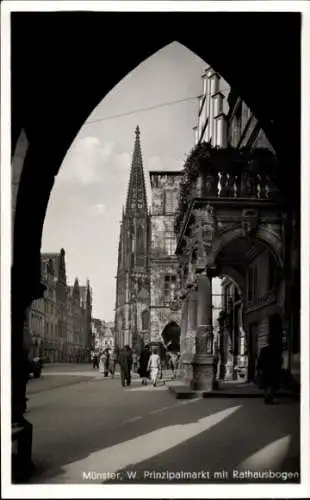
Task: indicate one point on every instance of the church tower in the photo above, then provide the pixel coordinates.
(132, 280)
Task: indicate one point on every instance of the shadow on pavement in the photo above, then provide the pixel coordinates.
(249, 429)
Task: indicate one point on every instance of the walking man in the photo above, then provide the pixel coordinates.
(269, 367)
(95, 360)
(125, 363)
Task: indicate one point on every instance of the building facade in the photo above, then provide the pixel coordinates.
(103, 335)
(165, 314)
(233, 223)
(212, 113)
(59, 324)
(249, 331)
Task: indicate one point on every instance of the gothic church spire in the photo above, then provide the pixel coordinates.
(136, 195)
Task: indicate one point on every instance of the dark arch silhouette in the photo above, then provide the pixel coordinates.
(57, 81)
(171, 336)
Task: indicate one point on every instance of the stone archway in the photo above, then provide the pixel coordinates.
(171, 335)
(53, 96)
(257, 265)
(270, 239)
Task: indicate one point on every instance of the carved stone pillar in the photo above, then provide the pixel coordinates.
(202, 364)
(184, 315)
(190, 336)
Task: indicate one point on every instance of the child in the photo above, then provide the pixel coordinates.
(154, 366)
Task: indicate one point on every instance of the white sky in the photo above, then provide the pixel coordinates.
(86, 202)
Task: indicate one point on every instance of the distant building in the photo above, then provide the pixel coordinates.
(103, 335)
(108, 341)
(59, 324)
(55, 304)
(80, 320)
(98, 329)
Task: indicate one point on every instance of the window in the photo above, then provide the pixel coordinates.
(169, 287)
(170, 243)
(171, 202)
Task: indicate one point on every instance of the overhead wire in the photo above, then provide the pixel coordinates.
(150, 108)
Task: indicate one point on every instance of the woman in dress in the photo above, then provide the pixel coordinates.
(154, 366)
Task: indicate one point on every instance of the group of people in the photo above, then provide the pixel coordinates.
(105, 362)
(148, 365)
(151, 365)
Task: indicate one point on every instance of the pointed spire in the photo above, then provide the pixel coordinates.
(88, 294)
(76, 288)
(136, 195)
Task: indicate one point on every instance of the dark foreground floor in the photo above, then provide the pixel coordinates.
(88, 430)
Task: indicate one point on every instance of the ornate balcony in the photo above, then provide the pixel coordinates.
(226, 174)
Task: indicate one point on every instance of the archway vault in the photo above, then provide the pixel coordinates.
(171, 335)
(269, 239)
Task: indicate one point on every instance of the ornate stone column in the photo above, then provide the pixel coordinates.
(184, 315)
(190, 336)
(202, 363)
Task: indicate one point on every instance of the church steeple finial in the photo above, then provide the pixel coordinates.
(136, 195)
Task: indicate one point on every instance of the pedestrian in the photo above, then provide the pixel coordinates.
(125, 363)
(112, 363)
(269, 366)
(95, 360)
(106, 361)
(172, 364)
(154, 366)
(135, 362)
(143, 364)
(101, 362)
(215, 362)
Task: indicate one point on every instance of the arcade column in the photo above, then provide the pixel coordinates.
(202, 363)
(190, 317)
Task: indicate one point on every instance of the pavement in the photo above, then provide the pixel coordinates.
(88, 430)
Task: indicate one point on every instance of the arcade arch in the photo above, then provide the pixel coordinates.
(81, 81)
(171, 335)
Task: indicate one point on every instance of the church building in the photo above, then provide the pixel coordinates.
(133, 280)
(146, 307)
